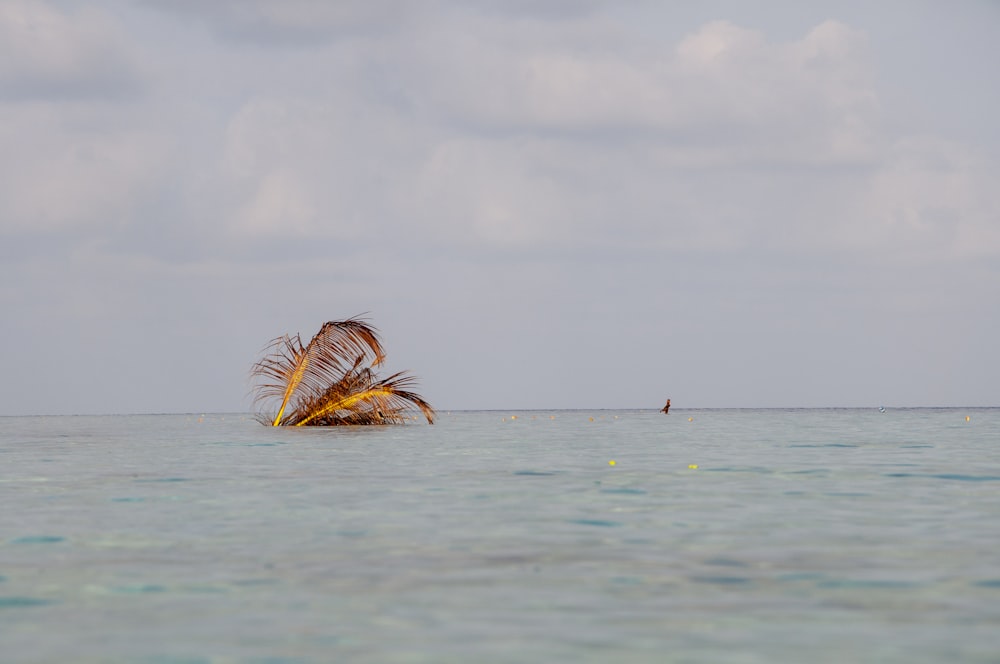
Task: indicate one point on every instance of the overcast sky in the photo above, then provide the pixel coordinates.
(553, 204)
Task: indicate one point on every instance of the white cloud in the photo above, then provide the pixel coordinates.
(48, 54)
(280, 204)
(719, 43)
(73, 158)
(514, 135)
(810, 100)
(477, 192)
(326, 166)
(75, 169)
(722, 141)
(933, 198)
(290, 22)
(287, 167)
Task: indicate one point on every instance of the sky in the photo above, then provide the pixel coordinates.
(553, 204)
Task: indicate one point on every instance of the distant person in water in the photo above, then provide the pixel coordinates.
(666, 409)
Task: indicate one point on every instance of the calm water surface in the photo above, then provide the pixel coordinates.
(801, 535)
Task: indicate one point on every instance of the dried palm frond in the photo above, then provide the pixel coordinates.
(331, 379)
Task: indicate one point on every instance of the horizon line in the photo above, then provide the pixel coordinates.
(530, 410)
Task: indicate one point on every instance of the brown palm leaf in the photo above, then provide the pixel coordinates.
(331, 379)
(362, 398)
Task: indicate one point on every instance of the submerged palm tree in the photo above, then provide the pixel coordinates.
(331, 380)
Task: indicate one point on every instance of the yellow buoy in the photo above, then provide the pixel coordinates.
(611, 463)
(967, 418)
(690, 419)
(693, 466)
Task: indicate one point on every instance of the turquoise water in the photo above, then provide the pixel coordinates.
(802, 535)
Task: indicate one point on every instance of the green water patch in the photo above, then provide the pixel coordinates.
(176, 659)
(600, 523)
(16, 602)
(867, 584)
(988, 583)
(949, 476)
(140, 589)
(967, 478)
(38, 539)
(627, 580)
(627, 491)
(742, 469)
(795, 577)
(206, 588)
(249, 583)
(726, 562)
(722, 580)
(230, 443)
(535, 473)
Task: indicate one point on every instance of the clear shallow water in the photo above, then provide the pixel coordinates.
(802, 535)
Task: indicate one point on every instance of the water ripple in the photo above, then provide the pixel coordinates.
(949, 476)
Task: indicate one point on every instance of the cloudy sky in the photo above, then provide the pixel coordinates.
(552, 204)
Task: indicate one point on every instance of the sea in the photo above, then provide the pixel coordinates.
(732, 535)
